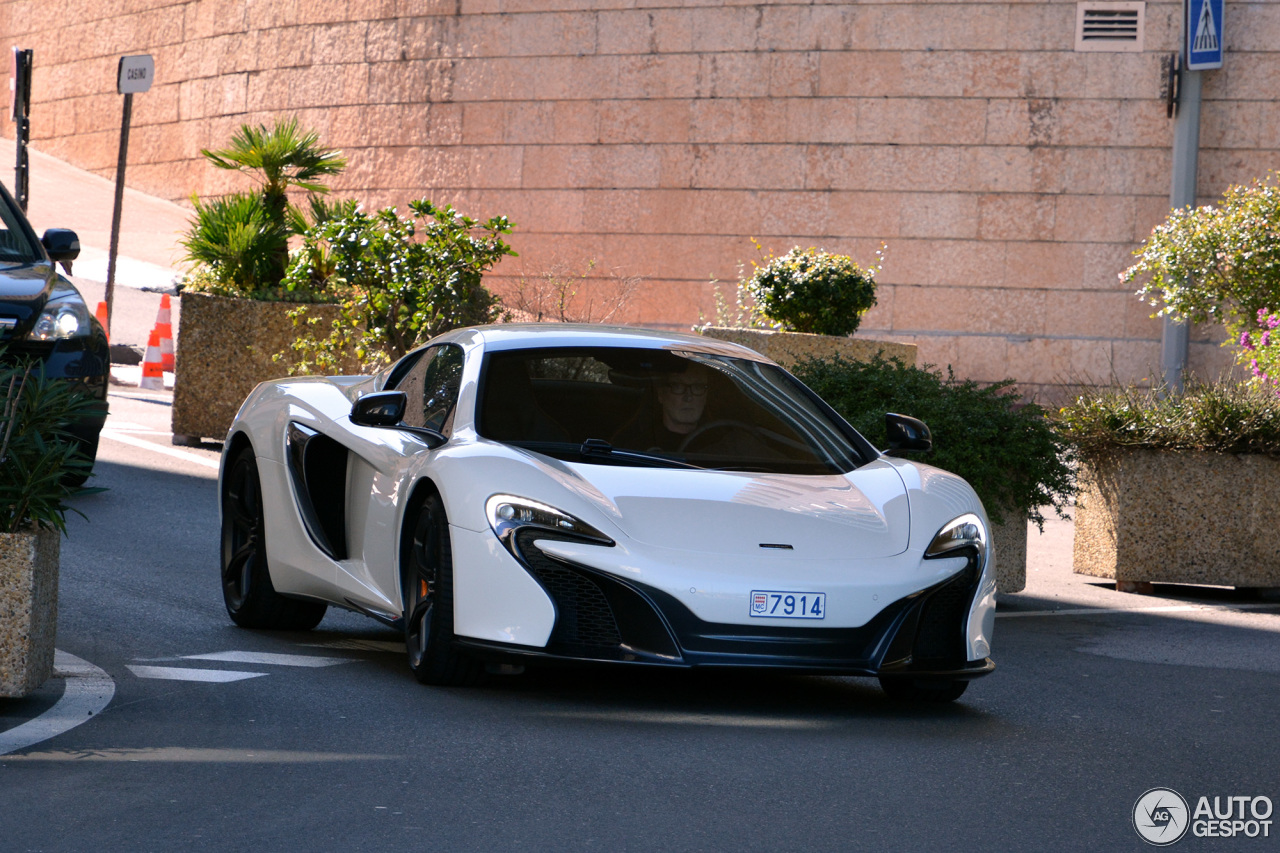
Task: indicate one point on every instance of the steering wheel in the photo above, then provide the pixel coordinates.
(717, 425)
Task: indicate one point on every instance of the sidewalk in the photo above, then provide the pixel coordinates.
(149, 254)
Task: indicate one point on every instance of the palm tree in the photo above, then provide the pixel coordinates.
(280, 157)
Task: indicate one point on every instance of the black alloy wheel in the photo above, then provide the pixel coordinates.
(252, 601)
(427, 587)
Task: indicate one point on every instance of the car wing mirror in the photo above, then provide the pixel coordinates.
(907, 435)
(386, 409)
(61, 244)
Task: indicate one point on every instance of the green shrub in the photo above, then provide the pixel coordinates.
(399, 281)
(1005, 449)
(39, 458)
(235, 245)
(1220, 417)
(809, 290)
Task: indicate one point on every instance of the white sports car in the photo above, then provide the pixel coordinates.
(534, 494)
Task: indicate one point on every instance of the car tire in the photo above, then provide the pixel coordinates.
(251, 600)
(88, 448)
(427, 588)
(915, 690)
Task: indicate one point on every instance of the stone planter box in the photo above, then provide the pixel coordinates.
(1010, 540)
(786, 348)
(28, 609)
(225, 348)
(1150, 516)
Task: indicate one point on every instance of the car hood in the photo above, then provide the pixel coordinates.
(863, 514)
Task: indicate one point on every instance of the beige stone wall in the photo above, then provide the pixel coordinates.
(1010, 176)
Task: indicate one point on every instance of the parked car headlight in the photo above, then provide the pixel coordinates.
(66, 317)
(966, 531)
(509, 514)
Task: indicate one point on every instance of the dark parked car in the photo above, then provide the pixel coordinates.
(44, 317)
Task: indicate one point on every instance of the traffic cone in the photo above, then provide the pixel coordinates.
(165, 329)
(101, 316)
(152, 371)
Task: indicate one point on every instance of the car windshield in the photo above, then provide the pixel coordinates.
(15, 242)
(650, 407)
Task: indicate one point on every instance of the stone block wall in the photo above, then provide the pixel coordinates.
(1010, 175)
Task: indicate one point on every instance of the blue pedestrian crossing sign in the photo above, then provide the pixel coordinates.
(1204, 34)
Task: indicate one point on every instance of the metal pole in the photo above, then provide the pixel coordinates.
(1182, 193)
(115, 213)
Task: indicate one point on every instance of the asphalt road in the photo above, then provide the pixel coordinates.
(1084, 714)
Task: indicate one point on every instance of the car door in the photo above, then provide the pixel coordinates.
(375, 496)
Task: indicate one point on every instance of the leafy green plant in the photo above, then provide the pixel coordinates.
(1219, 417)
(38, 455)
(399, 281)
(810, 290)
(1218, 263)
(239, 243)
(1006, 449)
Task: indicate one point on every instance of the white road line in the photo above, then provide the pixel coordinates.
(124, 438)
(1169, 608)
(269, 658)
(88, 690)
(177, 673)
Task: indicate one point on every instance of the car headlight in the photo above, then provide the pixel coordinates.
(966, 531)
(67, 317)
(509, 514)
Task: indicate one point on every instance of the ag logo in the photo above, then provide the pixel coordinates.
(1160, 816)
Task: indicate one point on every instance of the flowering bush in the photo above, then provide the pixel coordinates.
(809, 290)
(1220, 263)
(1262, 345)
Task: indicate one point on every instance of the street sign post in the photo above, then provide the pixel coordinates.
(1203, 28)
(20, 109)
(133, 76)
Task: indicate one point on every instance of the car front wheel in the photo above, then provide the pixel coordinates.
(427, 587)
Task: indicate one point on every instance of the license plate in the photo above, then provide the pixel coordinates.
(785, 604)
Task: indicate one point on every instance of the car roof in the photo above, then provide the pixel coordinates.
(509, 336)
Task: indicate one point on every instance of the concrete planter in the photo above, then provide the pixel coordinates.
(1149, 516)
(786, 348)
(28, 609)
(225, 348)
(1010, 541)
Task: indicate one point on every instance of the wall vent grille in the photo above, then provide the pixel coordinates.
(1110, 27)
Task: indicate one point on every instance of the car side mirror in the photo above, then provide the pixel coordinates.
(907, 435)
(386, 409)
(61, 244)
(383, 409)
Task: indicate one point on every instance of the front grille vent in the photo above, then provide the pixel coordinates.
(583, 614)
(1110, 27)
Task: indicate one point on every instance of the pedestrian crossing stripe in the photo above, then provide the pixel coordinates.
(1206, 40)
(224, 676)
(177, 673)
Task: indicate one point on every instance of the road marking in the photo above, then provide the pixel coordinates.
(188, 755)
(177, 673)
(87, 691)
(124, 438)
(1169, 608)
(269, 658)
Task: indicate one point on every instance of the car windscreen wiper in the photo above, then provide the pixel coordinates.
(600, 447)
(597, 448)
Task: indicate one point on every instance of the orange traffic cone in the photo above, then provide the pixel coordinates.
(101, 316)
(165, 330)
(152, 372)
